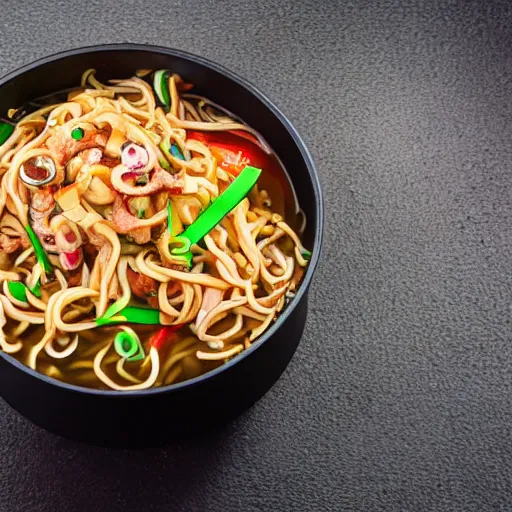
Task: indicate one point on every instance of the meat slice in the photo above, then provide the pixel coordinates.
(91, 156)
(64, 147)
(143, 287)
(125, 222)
(9, 245)
(141, 236)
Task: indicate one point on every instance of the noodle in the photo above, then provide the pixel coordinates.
(212, 356)
(143, 385)
(95, 193)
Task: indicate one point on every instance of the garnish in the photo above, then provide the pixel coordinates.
(77, 133)
(179, 246)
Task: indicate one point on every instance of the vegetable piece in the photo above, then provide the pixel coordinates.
(174, 226)
(68, 197)
(306, 254)
(212, 215)
(19, 290)
(161, 86)
(133, 315)
(76, 214)
(233, 162)
(77, 134)
(127, 344)
(163, 335)
(89, 220)
(164, 164)
(232, 150)
(117, 306)
(170, 219)
(67, 235)
(41, 256)
(166, 148)
(6, 130)
(36, 290)
(176, 152)
(184, 259)
(115, 143)
(143, 179)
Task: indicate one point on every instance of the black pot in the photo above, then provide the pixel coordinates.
(155, 415)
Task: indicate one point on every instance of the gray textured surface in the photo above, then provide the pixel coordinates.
(400, 395)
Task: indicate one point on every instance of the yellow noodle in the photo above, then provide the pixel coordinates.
(66, 297)
(248, 312)
(107, 273)
(23, 256)
(163, 301)
(228, 263)
(22, 316)
(8, 276)
(175, 358)
(262, 328)
(212, 317)
(215, 356)
(9, 348)
(172, 375)
(155, 360)
(124, 374)
(245, 238)
(20, 329)
(35, 302)
(202, 279)
(61, 354)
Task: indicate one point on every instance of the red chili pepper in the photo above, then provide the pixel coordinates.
(163, 335)
(232, 150)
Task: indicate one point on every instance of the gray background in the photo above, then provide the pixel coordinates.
(400, 395)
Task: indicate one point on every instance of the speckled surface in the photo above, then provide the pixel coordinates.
(400, 395)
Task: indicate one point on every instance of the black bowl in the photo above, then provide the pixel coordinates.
(156, 415)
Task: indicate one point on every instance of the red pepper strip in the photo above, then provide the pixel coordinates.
(130, 175)
(233, 151)
(163, 335)
(245, 135)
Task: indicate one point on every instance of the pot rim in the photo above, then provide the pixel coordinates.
(319, 206)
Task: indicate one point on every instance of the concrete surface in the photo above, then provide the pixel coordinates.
(400, 395)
